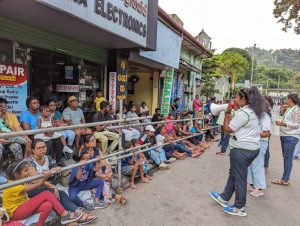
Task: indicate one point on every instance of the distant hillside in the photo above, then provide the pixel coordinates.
(282, 58)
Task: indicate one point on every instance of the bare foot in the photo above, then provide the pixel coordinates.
(149, 177)
(145, 180)
(132, 186)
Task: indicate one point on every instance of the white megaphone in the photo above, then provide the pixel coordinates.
(215, 109)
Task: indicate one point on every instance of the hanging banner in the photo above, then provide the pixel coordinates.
(13, 87)
(112, 89)
(122, 77)
(167, 92)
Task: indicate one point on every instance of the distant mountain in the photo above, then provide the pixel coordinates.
(281, 58)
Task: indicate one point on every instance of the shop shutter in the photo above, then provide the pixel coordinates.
(51, 41)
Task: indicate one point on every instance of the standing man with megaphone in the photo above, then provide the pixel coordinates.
(245, 127)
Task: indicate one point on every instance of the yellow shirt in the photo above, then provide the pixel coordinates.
(13, 197)
(98, 101)
(11, 120)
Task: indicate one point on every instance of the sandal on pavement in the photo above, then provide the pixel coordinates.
(86, 219)
(71, 217)
(280, 182)
(123, 200)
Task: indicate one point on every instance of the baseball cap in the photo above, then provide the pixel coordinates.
(150, 128)
(71, 98)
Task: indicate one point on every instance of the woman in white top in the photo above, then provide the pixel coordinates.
(256, 173)
(289, 136)
(41, 163)
(245, 127)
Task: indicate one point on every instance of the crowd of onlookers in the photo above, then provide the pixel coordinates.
(47, 152)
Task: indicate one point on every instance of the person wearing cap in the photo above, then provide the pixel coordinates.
(102, 133)
(158, 155)
(73, 115)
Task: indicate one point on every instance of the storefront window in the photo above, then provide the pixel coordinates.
(68, 76)
(89, 81)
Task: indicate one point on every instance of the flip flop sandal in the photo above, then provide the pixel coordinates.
(123, 201)
(280, 182)
(88, 219)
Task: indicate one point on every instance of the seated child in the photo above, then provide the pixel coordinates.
(81, 179)
(105, 172)
(45, 121)
(130, 166)
(19, 206)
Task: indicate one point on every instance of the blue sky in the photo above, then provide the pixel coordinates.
(233, 23)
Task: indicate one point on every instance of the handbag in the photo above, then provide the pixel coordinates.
(56, 178)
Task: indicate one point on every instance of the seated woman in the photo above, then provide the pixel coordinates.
(169, 149)
(105, 172)
(197, 128)
(179, 145)
(81, 179)
(180, 134)
(19, 207)
(131, 167)
(42, 163)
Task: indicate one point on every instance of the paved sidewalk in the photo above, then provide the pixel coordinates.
(179, 196)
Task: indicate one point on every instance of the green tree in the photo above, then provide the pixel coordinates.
(233, 65)
(287, 13)
(244, 53)
(271, 76)
(210, 74)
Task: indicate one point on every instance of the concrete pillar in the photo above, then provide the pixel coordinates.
(155, 91)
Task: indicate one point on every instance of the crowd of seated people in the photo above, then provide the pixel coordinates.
(90, 186)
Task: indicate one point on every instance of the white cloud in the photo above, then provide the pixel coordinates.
(233, 23)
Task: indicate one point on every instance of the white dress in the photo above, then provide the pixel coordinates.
(43, 136)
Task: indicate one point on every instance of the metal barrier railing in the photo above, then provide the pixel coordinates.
(94, 124)
(40, 176)
(71, 127)
(109, 156)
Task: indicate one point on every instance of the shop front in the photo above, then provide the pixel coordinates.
(69, 46)
(148, 69)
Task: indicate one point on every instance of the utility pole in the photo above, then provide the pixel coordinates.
(267, 87)
(278, 84)
(252, 67)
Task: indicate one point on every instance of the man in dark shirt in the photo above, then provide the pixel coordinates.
(102, 133)
(157, 116)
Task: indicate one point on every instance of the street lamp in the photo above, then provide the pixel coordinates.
(252, 67)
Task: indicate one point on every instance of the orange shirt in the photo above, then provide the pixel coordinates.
(11, 120)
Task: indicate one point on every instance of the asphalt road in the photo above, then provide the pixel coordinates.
(179, 196)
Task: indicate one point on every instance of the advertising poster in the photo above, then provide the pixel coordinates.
(13, 86)
(122, 78)
(69, 72)
(112, 89)
(167, 92)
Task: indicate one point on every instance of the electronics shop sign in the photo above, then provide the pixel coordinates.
(126, 18)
